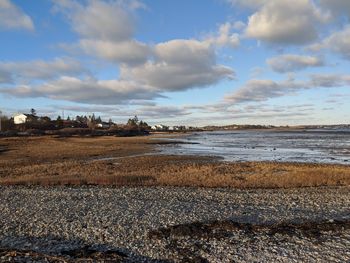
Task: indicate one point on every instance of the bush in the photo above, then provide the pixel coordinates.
(32, 132)
(74, 131)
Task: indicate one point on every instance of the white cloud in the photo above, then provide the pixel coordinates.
(106, 29)
(291, 63)
(11, 17)
(98, 20)
(285, 22)
(263, 90)
(338, 42)
(40, 69)
(145, 71)
(225, 37)
(130, 52)
(329, 80)
(86, 91)
(179, 65)
(238, 25)
(337, 6)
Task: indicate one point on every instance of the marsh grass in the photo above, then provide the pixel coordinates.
(52, 161)
(178, 171)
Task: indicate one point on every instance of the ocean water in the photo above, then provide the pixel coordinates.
(316, 146)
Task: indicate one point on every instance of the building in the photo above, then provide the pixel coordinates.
(103, 125)
(159, 127)
(22, 118)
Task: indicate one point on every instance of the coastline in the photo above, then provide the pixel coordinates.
(136, 161)
(60, 204)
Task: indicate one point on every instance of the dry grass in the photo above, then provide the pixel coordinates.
(50, 161)
(46, 149)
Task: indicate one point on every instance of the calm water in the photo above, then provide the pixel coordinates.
(330, 146)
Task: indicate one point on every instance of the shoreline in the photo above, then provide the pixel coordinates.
(167, 224)
(135, 161)
(165, 208)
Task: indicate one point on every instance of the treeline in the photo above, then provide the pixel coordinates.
(79, 125)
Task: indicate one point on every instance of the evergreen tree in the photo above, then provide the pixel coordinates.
(33, 112)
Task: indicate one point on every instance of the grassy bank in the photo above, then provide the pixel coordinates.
(74, 161)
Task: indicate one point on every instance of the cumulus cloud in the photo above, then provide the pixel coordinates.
(263, 90)
(106, 30)
(130, 52)
(176, 65)
(337, 6)
(11, 17)
(145, 71)
(179, 65)
(86, 91)
(225, 37)
(285, 22)
(329, 80)
(98, 19)
(290, 62)
(338, 42)
(40, 69)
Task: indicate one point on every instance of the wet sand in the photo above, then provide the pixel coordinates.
(311, 146)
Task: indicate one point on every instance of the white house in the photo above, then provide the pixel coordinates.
(159, 127)
(103, 125)
(21, 118)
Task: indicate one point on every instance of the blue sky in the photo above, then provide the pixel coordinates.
(193, 62)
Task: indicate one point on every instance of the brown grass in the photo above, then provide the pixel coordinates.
(70, 161)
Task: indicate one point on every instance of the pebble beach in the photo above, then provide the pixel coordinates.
(174, 224)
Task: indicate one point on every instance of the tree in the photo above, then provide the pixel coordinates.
(92, 118)
(33, 112)
(59, 122)
(133, 122)
(143, 125)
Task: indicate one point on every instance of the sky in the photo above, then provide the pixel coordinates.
(193, 62)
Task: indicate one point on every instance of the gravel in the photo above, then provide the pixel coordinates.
(62, 220)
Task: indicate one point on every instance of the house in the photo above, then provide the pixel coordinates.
(103, 125)
(22, 118)
(159, 127)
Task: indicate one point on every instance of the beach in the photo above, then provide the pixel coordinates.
(125, 200)
(164, 224)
